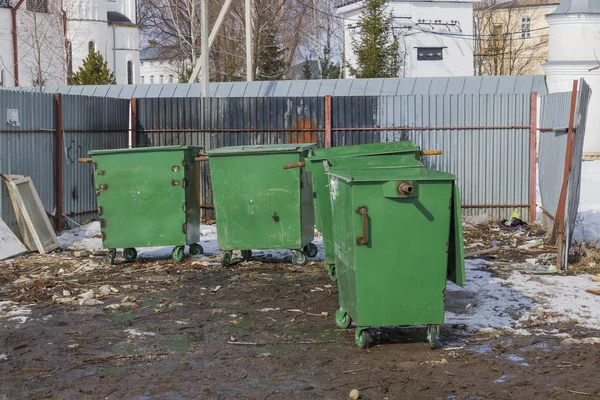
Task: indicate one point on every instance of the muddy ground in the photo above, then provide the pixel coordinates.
(198, 331)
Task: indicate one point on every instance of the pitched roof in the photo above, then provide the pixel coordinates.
(117, 18)
(160, 53)
(297, 70)
(578, 7)
(518, 4)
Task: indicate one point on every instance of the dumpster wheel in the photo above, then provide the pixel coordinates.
(299, 258)
(362, 338)
(112, 254)
(331, 271)
(177, 254)
(226, 258)
(130, 254)
(246, 254)
(433, 336)
(311, 250)
(342, 319)
(196, 249)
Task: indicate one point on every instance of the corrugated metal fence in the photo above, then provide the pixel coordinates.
(486, 139)
(563, 123)
(34, 124)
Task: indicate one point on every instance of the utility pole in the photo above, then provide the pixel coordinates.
(249, 66)
(204, 47)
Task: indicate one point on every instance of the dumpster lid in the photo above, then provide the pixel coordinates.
(143, 150)
(262, 148)
(382, 174)
(405, 146)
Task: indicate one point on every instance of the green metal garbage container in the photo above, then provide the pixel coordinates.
(401, 154)
(261, 205)
(148, 197)
(398, 238)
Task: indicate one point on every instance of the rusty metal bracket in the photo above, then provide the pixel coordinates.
(364, 240)
(298, 164)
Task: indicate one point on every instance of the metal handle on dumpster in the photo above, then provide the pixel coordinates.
(431, 152)
(298, 164)
(84, 160)
(364, 240)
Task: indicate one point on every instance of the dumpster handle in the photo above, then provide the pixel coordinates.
(431, 152)
(298, 164)
(84, 160)
(364, 240)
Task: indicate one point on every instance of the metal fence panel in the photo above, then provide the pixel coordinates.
(89, 123)
(29, 148)
(492, 165)
(553, 147)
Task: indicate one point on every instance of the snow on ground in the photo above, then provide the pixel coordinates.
(521, 302)
(588, 219)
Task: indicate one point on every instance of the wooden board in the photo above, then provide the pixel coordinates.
(10, 245)
(35, 226)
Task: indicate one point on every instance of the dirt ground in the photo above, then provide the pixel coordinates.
(255, 330)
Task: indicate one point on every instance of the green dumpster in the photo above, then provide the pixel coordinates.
(148, 197)
(259, 204)
(398, 238)
(403, 154)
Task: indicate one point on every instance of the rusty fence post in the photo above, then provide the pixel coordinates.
(532, 157)
(559, 220)
(133, 123)
(327, 121)
(59, 162)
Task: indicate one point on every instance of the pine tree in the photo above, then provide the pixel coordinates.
(271, 57)
(376, 46)
(94, 71)
(307, 70)
(329, 70)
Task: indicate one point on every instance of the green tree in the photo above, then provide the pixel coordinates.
(271, 63)
(329, 70)
(94, 71)
(376, 46)
(307, 70)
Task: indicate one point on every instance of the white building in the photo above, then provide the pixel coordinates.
(573, 53)
(160, 64)
(436, 36)
(41, 41)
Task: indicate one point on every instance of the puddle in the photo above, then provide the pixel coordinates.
(516, 359)
(121, 318)
(503, 378)
(123, 349)
(177, 344)
(482, 348)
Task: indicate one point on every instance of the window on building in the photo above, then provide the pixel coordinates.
(37, 5)
(92, 46)
(497, 41)
(130, 72)
(525, 27)
(161, 79)
(143, 79)
(142, 63)
(151, 79)
(430, 53)
(170, 78)
(2, 78)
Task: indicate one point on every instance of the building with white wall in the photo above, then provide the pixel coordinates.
(161, 64)
(436, 36)
(42, 41)
(573, 53)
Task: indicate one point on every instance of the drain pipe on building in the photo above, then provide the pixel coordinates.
(15, 43)
(114, 51)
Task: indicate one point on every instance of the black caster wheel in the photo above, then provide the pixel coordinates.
(342, 319)
(362, 338)
(226, 258)
(299, 258)
(331, 271)
(130, 254)
(177, 254)
(112, 254)
(433, 336)
(196, 249)
(311, 250)
(246, 254)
